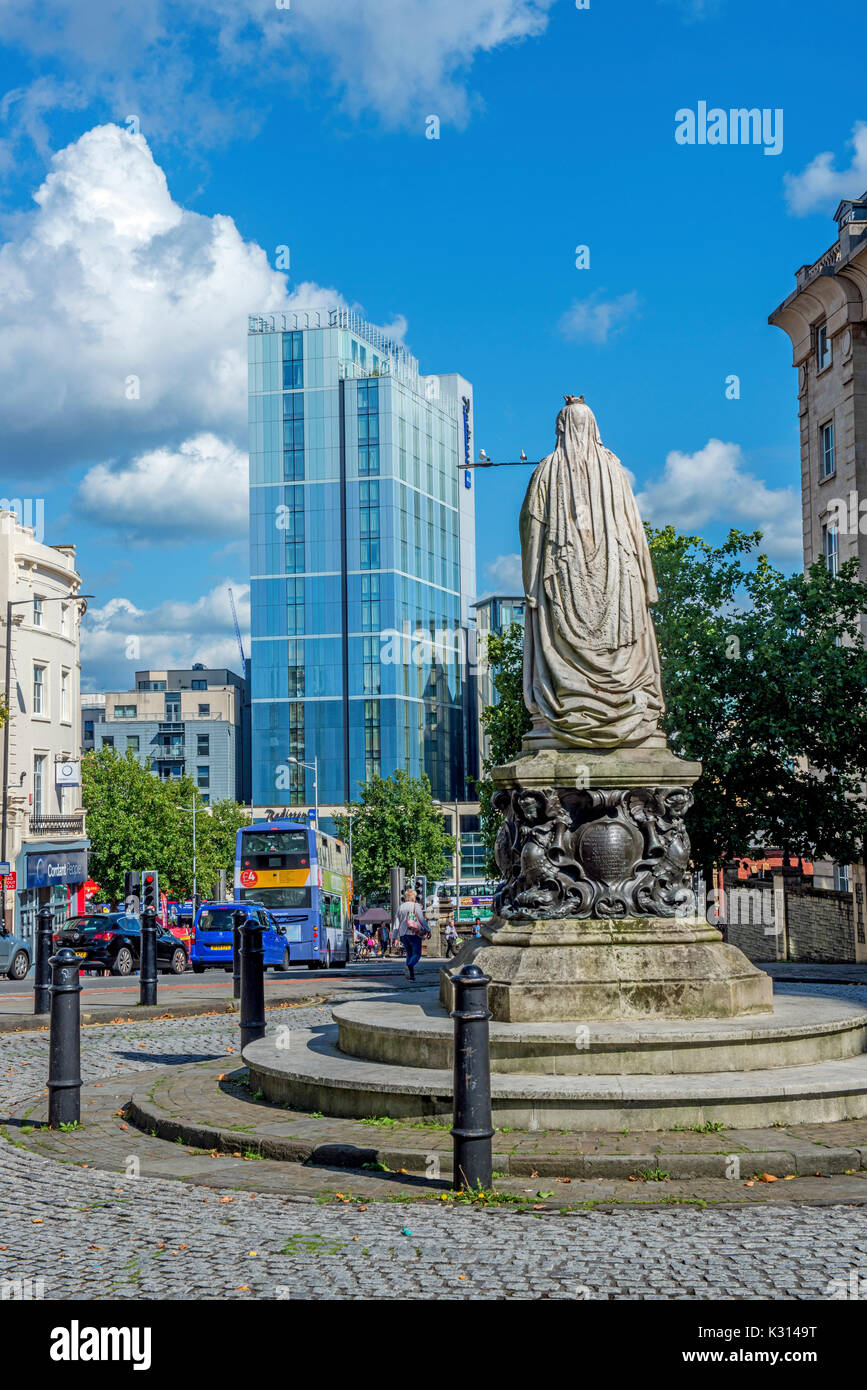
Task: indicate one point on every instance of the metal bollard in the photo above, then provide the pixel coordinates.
(238, 918)
(252, 982)
(64, 1047)
(472, 1130)
(42, 981)
(147, 971)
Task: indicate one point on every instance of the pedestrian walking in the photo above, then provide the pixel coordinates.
(452, 939)
(383, 939)
(410, 927)
(477, 927)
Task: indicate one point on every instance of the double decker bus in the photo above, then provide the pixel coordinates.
(302, 877)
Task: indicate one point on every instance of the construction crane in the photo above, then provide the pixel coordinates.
(238, 634)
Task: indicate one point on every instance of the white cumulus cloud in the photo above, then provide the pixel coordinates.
(199, 489)
(713, 485)
(120, 638)
(123, 315)
(227, 58)
(821, 186)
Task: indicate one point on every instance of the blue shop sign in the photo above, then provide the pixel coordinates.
(56, 866)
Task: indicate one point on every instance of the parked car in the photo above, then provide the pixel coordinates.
(212, 937)
(113, 942)
(14, 956)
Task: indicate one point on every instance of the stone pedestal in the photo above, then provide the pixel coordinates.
(594, 917)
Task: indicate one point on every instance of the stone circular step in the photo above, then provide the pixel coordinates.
(314, 1075)
(804, 1030)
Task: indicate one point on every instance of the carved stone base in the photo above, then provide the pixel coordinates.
(583, 969)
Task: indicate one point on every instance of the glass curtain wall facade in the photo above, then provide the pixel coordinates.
(362, 557)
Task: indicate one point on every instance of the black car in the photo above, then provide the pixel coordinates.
(112, 941)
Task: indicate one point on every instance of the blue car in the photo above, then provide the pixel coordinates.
(212, 937)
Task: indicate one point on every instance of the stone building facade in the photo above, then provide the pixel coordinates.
(825, 318)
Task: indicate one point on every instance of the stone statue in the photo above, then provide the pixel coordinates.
(591, 666)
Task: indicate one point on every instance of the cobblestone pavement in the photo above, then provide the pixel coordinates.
(114, 1048)
(158, 1239)
(88, 1234)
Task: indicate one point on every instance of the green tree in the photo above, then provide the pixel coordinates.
(137, 821)
(765, 683)
(505, 723)
(395, 824)
(765, 678)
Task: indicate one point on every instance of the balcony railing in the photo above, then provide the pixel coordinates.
(73, 824)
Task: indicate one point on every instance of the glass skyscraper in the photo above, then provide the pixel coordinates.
(362, 561)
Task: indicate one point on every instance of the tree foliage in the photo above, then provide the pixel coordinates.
(137, 821)
(765, 683)
(395, 823)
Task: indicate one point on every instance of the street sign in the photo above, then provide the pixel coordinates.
(10, 881)
(311, 815)
(5, 867)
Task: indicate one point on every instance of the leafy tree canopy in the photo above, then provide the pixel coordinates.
(395, 823)
(137, 821)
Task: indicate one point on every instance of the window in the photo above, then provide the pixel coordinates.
(368, 522)
(296, 668)
(198, 685)
(823, 348)
(132, 742)
(371, 666)
(64, 619)
(88, 728)
(370, 619)
(841, 878)
(39, 703)
(292, 524)
(826, 449)
(294, 606)
(372, 747)
(173, 705)
(293, 363)
(125, 711)
(151, 685)
(64, 695)
(203, 776)
(39, 761)
(204, 710)
(38, 616)
(368, 428)
(293, 438)
(829, 546)
(203, 745)
(107, 741)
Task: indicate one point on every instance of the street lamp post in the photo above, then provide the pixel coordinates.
(4, 818)
(187, 809)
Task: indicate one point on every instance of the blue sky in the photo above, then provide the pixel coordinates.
(258, 127)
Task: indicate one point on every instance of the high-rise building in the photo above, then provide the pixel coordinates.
(825, 317)
(193, 722)
(362, 556)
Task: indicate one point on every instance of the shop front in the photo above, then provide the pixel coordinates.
(48, 873)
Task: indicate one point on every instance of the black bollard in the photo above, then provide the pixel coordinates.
(147, 970)
(252, 982)
(64, 1047)
(42, 981)
(472, 1131)
(238, 918)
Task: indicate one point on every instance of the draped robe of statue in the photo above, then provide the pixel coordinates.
(591, 666)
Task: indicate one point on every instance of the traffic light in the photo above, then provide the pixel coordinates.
(132, 892)
(150, 891)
